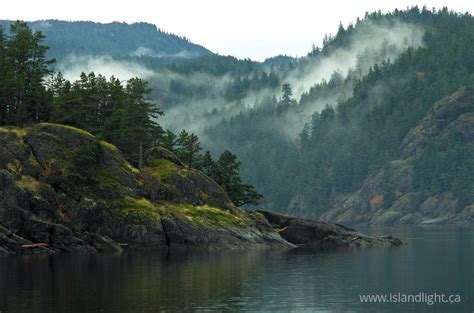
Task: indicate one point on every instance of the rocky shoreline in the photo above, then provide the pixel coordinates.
(288, 233)
(64, 191)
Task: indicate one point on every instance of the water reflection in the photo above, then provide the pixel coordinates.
(435, 260)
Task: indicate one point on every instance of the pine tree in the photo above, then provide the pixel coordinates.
(286, 100)
(27, 97)
(139, 127)
(167, 140)
(228, 177)
(208, 165)
(188, 148)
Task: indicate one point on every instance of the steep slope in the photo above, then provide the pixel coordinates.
(433, 179)
(62, 187)
(115, 39)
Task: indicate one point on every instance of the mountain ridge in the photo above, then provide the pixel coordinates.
(116, 39)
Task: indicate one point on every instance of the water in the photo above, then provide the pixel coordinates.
(436, 259)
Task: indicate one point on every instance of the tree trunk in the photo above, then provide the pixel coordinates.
(140, 155)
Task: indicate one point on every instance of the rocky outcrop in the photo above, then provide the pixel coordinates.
(304, 232)
(62, 190)
(389, 196)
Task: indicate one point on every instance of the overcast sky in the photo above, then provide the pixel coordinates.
(244, 28)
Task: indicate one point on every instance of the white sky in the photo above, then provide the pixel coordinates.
(243, 28)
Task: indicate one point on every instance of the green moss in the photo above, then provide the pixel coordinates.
(206, 215)
(163, 168)
(108, 146)
(74, 129)
(139, 209)
(19, 132)
(28, 182)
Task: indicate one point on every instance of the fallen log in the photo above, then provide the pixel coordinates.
(280, 230)
(40, 245)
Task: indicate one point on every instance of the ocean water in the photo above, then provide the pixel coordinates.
(436, 261)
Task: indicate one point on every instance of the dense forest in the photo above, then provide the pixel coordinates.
(344, 144)
(116, 112)
(115, 39)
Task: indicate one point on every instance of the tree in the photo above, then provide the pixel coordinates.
(228, 177)
(3, 77)
(188, 147)
(167, 140)
(208, 165)
(138, 125)
(24, 67)
(286, 98)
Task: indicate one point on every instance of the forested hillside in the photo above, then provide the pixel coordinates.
(119, 40)
(359, 134)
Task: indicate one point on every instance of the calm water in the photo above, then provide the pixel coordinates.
(435, 260)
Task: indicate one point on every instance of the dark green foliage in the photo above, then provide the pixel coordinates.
(23, 68)
(118, 114)
(441, 168)
(113, 112)
(188, 148)
(83, 168)
(167, 140)
(226, 172)
(286, 98)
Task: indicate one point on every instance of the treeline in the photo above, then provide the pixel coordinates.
(342, 145)
(115, 111)
(115, 39)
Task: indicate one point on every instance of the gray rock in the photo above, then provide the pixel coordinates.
(303, 232)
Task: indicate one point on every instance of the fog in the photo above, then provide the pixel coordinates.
(73, 66)
(367, 45)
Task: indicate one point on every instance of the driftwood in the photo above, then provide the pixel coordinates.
(280, 230)
(123, 244)
(355, 238)
(35, 245)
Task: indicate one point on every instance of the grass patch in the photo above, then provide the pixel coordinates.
(28, 182)
(108, 146)
(19, 132)
(139, 209)
(70, 128)
(206, 215)
(162, 168)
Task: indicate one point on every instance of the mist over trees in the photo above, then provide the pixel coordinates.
(344, 143)
(308, 131)
(114, 111)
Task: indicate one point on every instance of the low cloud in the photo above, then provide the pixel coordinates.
(73, 66)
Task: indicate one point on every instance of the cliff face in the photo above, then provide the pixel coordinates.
(62, 187)
(404, 192)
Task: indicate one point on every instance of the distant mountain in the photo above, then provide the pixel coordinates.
(279, 59)
(115, 39)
